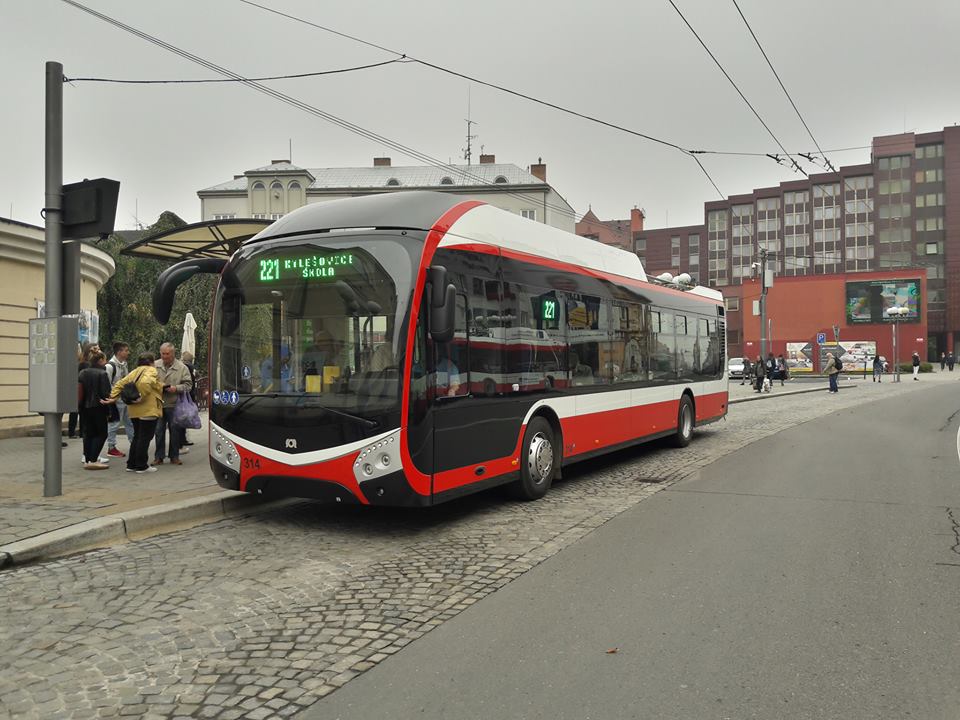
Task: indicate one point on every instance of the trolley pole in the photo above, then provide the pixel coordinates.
(53, 260)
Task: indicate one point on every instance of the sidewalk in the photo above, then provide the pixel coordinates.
(818, 383)
(102, 507)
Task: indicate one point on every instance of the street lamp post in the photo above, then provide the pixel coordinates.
(896, 313)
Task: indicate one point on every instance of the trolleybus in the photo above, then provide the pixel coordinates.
(409, 348)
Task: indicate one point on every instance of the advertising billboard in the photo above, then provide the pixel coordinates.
(868, 301)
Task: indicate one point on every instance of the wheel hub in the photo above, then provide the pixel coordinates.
(540, 458)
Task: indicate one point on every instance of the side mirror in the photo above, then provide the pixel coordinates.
(443, 303)
(173, 277)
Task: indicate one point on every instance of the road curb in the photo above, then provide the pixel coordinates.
(133, 525)
(782, 393)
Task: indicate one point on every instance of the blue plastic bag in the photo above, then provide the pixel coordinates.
(186, 414)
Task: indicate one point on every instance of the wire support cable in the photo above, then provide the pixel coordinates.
(232, 80)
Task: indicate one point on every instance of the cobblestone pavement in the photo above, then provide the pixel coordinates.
(260, 617)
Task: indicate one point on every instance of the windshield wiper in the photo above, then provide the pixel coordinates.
(312, 405)
(341, 413)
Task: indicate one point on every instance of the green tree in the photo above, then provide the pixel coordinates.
(125, 301)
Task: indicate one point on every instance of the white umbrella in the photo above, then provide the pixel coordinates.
(189, 342)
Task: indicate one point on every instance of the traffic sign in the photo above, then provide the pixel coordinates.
(821, 338)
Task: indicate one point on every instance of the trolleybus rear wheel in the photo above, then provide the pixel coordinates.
(684, 422)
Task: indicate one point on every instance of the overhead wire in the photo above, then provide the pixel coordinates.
(783, 87)
(494, 86)
(294, 102)
(713, 57)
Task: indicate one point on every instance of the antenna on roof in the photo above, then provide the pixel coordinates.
(468, 153)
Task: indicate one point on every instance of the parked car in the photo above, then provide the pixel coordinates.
(735, 368)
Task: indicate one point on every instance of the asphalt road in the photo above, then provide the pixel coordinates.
(812, 574)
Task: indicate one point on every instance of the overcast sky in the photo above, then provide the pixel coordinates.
(855, 69)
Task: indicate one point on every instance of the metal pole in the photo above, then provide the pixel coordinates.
(896, 359)
(763, 303)
(53, 261)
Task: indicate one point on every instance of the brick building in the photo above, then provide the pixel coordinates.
(898, 215)
(618, 233)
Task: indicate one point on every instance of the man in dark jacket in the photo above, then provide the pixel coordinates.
(770, 368)
(759, 372)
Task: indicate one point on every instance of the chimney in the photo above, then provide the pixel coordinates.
(487, 159)
(277, 162)
(381, 162)
(539, 170)
(637, 217)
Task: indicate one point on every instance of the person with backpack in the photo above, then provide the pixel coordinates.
(116, 370)
(832, 371)
(142, 392)
(770, 368)
(916, 366)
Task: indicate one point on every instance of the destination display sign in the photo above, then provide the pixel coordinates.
(318, 266)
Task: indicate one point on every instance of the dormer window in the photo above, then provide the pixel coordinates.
(393, 181)
(500, 179)
(446, 180)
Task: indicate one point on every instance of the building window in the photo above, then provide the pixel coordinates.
(393, 182)
(529, 214)
(276, 216)
(500, 179)
(446, 181)
(225, 216)
(732, 303)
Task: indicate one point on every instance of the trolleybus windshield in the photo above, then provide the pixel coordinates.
(311, 333)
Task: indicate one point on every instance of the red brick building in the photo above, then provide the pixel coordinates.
(619, 233)
(801, 308)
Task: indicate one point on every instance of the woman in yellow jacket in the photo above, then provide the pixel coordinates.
(143, 414)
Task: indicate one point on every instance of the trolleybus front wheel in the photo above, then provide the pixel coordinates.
(537, 461)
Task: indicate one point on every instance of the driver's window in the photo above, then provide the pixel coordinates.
(451, 376)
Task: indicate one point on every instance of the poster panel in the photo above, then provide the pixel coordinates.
(799, 357)
(868, 301)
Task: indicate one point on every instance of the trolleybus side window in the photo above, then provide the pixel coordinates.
(685, 331)
(588, 338)
(619, 327)
(636, 357)
(663, 341)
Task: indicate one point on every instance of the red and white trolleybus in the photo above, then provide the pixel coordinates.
(408, 348)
